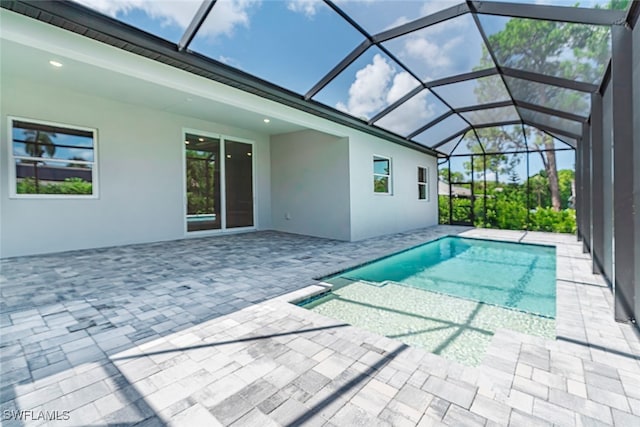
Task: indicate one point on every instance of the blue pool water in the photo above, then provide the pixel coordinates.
(512, 275)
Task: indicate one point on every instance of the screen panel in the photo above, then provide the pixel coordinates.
(445, 49)
(474, 92)
(292, 54)
(491, 115)
(441, 130)
(413, 114)
(554, 97)
(370, 84)
(571, 51)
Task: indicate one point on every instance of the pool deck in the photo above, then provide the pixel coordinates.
(200, 332)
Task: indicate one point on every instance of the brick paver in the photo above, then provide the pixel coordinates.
(200, 332)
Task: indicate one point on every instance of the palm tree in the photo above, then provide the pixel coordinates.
(37, 144)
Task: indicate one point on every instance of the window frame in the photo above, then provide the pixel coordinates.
(389, 191)
(13, 181)
(424, 183)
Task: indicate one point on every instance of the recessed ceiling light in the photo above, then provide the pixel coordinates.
(228, 156)
(186, 142)
(55, 63)
(266, 120)
(201, 139)
(248, 154)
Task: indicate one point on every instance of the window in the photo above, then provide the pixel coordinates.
(51, 160)
(423, 183)
(381, 175)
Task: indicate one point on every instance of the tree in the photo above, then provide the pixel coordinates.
(539, 186)
(566, 178)
(493, 140)
(443, 175)
(553, 48)
(37, 144)
(544, 145)
(201, 175)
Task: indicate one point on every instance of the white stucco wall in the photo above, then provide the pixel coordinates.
(140, 167)
(310, 184)
(140, 154)
(376, 214)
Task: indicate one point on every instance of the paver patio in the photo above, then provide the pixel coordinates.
(201, 332)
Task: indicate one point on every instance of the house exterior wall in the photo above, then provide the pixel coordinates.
(378, 214)
(140, 159)
(310, 184)
(140, 174)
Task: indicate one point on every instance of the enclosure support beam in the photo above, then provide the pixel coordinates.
(450, 190)
(586, 186)
(528, 191)
(342, 65)
(196, 23)
(549, 80)
(623, 172)
(484, 194)
(579, 189)
(634, 20)
(576, 15)
(427, 21)
(597, 183)
(552, 129)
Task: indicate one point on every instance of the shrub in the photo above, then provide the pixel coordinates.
(68, 186)
(546, 219)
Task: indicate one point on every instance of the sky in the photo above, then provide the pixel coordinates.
(294, 43)
(564, 160)
(60, 153)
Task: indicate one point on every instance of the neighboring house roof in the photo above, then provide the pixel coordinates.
(443, 190)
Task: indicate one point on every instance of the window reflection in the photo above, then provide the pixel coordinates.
(203, 182)
(239, 184)
(52, 159)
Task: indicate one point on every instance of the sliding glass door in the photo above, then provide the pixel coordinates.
(219, 195)
(203, 182)
(239, 183)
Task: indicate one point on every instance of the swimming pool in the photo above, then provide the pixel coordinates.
(512, 275)
(449, 296)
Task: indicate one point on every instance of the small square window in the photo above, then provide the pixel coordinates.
(423, 183)
(381, 175)
(52, 160)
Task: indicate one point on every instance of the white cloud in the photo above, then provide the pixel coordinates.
(368, 93)
(307, 7)
(426, 51)
(378, 85)
(431, 7)
(399, 21)
(402, 83)
(436, 56)
(225, 15)
(410, 116)
(229, 61)
(446, 26)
